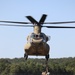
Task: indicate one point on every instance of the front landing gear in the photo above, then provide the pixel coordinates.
(47, 57)
(25, 56)
(46, 72)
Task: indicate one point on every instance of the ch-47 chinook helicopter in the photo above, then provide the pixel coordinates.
(36, 41)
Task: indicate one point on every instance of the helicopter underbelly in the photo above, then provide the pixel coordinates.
(37, 49)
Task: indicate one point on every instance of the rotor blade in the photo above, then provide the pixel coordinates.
(59, 22)
(32, 26)
(37, 22)
(15, 22)
(58, 26)
(16, 25)
(32, 20)
(42, 18)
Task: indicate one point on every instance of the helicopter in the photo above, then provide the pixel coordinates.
(37, 40)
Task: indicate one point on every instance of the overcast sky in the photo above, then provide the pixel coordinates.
(12, 39)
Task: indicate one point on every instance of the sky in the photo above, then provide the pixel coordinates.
(13, 39)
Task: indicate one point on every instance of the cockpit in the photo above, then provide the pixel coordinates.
(37, 37)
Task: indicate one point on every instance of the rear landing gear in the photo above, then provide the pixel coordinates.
(25, 56)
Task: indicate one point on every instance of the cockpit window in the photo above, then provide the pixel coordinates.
(36, 36)
(32, 35)
(41, 36)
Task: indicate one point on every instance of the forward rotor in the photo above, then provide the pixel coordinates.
(34, 22)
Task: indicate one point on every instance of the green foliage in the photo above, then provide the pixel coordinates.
(18, 66)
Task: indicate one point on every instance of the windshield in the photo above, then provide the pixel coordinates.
(35, 36)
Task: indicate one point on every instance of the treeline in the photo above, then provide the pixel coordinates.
(18, 66)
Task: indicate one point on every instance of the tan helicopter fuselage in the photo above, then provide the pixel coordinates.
(37, 44)
(37, 47)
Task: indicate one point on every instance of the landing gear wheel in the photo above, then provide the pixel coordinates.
(47, 57)
(25, 56)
